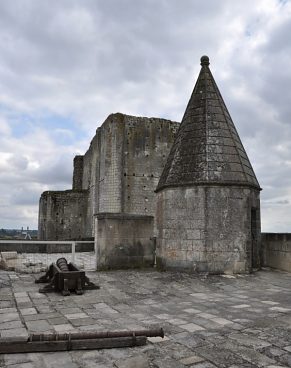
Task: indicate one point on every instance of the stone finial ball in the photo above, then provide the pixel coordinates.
(204, 60)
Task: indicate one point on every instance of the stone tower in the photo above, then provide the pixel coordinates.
(208, 197)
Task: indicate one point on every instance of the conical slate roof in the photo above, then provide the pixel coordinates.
(207, 148)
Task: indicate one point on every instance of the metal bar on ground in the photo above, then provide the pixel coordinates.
(9, 347)
(95, 335)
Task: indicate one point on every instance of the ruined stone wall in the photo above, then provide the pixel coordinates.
(119, 171)
(62, 215)
(208, 228)
(86, 185)
(276, 251)
(87, 166)
(90, 182)
(124, 163)
(147, 144)
(110, 164)
(78, 172)
(124, 241)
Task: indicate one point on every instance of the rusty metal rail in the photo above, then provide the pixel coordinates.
(77, 341)
(95, 335)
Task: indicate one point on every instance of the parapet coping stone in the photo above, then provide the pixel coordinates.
(122, 216)
(64, 192)
(210, 184)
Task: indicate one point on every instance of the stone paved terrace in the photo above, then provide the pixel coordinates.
(214, 321)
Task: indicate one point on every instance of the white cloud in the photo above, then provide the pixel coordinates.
(4, 127)
(80, 61)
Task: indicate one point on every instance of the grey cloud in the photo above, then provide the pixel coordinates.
(23, 195)
(88, 59)
(276, 46)
(56, 174)
(17, 216)
(285, 201)
(19, 162)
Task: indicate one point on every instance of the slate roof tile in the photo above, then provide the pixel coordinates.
(207, 148)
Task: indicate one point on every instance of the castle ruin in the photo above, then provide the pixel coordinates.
(118, 174)
(186, 190)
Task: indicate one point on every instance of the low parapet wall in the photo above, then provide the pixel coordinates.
(124, 241)
(25, 247)
(276, 250)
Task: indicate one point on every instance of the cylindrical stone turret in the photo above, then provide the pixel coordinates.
(208, 197)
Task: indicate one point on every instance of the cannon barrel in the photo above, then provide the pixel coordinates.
(62, 264)
(95, 335)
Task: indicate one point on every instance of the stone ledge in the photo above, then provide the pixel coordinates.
(122, 216)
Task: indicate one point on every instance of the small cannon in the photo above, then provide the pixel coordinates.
(77, 341)
(65, 277)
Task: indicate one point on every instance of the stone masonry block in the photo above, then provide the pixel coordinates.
(193, 234)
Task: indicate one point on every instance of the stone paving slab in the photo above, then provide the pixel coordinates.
(209, 321)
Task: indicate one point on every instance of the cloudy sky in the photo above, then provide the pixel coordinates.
(65, 65)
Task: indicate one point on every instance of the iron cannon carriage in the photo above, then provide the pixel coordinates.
(65, 277)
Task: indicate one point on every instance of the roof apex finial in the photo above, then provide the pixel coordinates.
(204, 60)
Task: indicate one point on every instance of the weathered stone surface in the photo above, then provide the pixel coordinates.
(38, 326)
(9, 317)
(207, 229)
(149, 299)
(191, 360)
(276, 251)
(62, 214)
(78, 172)
(133, 362)
(124, 241)
(14, 333)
